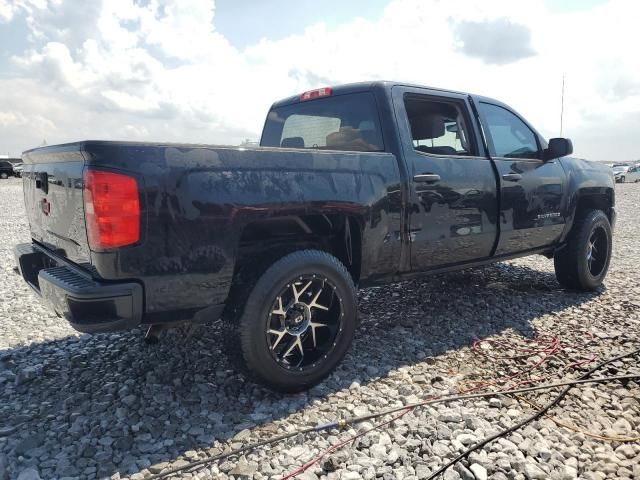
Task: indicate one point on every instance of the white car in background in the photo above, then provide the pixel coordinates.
(626, 173)
(17, 169)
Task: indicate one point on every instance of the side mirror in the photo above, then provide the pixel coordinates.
(558, 147)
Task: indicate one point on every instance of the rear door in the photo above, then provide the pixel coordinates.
(453, 206)
(532, 202)
(52, 184)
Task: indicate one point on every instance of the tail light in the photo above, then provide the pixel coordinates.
(112, 209)
(311, 94)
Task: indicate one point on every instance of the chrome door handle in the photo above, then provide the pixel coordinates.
(512, 177)
(426, 178)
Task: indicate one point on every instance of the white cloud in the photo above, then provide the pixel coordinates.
(159, 70)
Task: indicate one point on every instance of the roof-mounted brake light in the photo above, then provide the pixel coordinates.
(313, 94)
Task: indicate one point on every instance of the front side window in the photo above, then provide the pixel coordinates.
(344, 122)
(437, 127)
(509, 136)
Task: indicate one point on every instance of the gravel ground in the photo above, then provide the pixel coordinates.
(78, 406)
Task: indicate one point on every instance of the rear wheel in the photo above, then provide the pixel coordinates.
(4, 176)
(584, 262)
(622, 179)
(298, 321)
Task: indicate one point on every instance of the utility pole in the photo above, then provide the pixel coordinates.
(562, 105)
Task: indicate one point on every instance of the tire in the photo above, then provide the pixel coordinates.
(297, 324)
(622, 179)
(3, 176)
(584, 262)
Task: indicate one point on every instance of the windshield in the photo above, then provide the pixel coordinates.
(344, 122)
(620, 168)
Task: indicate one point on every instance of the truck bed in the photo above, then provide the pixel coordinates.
(196, 202)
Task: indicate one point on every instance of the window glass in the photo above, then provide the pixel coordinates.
(437, 127)
(510, 136)
(345, 122)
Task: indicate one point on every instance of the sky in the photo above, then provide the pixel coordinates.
(206, 71)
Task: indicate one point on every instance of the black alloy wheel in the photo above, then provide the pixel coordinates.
(292, 326)
(305, 319)
(597, 251)
(582, 264)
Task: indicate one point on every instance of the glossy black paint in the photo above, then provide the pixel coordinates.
(197, 200)
(453, 219)
(52, 180)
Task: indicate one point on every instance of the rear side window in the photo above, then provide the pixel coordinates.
(438, 127)
(344, 122)
(508, 135)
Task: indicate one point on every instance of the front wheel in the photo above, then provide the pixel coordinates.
(584, 262)
(297, 323)
(4, 176)
(622, 179)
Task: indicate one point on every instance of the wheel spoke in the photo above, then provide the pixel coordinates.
(296, 343)
(280, 334)
(313, 325)
(314, 303)
(296, 293)
(280, 309)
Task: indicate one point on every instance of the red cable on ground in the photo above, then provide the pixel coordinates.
(338, 445)
(551, 345)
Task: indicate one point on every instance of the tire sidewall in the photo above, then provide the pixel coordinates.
(597, 219)
(258, 308)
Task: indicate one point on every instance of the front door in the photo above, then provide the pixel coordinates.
(453, 206)
(533, 206)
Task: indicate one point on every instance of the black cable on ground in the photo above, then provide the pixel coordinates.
(531, 418)
(356, 420)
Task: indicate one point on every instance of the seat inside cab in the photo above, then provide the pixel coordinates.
(437, 128)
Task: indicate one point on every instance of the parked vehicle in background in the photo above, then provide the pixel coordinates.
(6, 169)
(351, 186)
(620, 172)
(627, 173)
(17, 169)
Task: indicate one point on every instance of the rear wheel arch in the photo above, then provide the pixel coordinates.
(263, 241)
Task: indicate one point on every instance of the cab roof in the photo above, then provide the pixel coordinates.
(372, 85)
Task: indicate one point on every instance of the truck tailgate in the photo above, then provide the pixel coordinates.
(52, 182)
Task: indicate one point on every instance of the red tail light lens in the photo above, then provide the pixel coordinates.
(112, 209)
(311, 94)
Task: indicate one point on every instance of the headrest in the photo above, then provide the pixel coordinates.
(292, 142)
(348, 138)
(427, 126)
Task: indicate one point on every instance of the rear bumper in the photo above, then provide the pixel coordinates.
(90, 306)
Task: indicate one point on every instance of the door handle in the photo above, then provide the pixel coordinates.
(426, 178)
(512, 177)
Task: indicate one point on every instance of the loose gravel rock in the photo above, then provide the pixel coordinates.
(110, 406)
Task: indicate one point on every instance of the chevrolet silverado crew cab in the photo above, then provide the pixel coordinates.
(351, 186)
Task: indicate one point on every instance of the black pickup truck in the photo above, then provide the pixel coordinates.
(351, 186)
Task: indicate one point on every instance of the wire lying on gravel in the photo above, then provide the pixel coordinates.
(607, 438)
(405, 409)
(533, 417)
